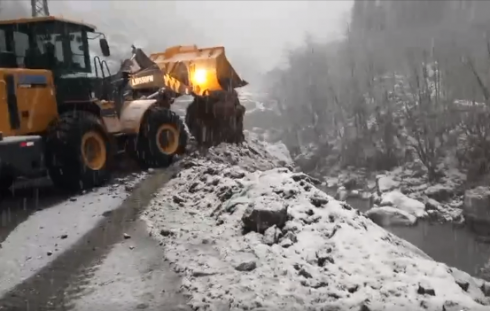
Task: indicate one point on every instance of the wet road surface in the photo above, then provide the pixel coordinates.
(25, 199)
(101, 268)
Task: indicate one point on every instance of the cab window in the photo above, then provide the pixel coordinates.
(3, 41)
(21, 46)
(78, 50)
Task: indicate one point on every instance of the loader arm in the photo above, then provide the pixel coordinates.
(215, 115)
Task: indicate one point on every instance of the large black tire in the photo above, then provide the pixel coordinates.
(159, 121)
(68, 168)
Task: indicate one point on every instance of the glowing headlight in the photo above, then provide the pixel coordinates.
(200, 76)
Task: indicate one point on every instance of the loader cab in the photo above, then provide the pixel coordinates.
(54, 44)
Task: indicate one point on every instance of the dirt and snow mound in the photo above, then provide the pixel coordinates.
(250, 236)
(254, 154)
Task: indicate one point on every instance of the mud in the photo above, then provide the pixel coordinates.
(74, 269)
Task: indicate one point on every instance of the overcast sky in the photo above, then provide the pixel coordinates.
(255, 33)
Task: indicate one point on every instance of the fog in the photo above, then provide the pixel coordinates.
(255, 33)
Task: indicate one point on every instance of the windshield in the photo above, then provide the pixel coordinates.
(61, 48)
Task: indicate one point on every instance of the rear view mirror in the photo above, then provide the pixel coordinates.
(104, 47)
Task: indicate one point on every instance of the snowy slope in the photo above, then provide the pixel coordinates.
(321, 255)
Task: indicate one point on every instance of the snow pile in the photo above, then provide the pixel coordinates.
(404, 203)
(248, 235)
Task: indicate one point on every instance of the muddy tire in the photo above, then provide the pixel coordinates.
(162, 136)
(78, 152)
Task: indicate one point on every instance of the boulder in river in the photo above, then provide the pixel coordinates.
(399, 200)
(476, 207)
(385, 183)
(386, 216)
(439, 193)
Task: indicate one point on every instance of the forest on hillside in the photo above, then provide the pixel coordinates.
(409, 81)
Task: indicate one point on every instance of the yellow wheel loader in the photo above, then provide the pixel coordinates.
(215, 115)
(59, 118)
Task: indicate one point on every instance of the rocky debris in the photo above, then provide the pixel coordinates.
(476, 207)
(303, 255)
(251, 155)
(387, 216)
(126, 236)
(409, 179)
(266, 213)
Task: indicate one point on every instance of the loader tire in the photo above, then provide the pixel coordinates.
(78, 152)
(162, 136)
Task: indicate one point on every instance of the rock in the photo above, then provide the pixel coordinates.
(49, 253)
(177, 199)
(351, 183)
(485, 288)
(439, 193)
(271, 235)
(246, 266)
(399, 200)
(476, 206)
(386, 216)
(341, 194)
(464, 285)
(305, 273)
(261, 215)
(166, 232)
(425, 289)
(286, 243)
(365, 307)
(64, 236)
(291, 236)
(318, 201)
(126, 236)
(385, 184)
(432, 205)
(142, 306)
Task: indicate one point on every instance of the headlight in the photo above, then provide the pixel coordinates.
(200, 76)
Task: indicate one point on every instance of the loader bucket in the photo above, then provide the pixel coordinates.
(204, 70)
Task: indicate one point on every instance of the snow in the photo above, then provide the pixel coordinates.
(327, 255)
(24, 251)
(404, 203)
(386, 183)
(389, 216)
(279, 151)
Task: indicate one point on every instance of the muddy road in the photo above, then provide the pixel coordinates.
(88, 252)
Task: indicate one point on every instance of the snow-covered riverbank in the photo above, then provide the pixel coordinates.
(247, 234)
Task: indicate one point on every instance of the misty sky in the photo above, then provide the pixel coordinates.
(255, 33)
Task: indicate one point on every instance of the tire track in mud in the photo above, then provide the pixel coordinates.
(46, 290)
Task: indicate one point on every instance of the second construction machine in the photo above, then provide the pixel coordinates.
(215, 115)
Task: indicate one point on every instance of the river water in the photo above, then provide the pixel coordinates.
(455, 246)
